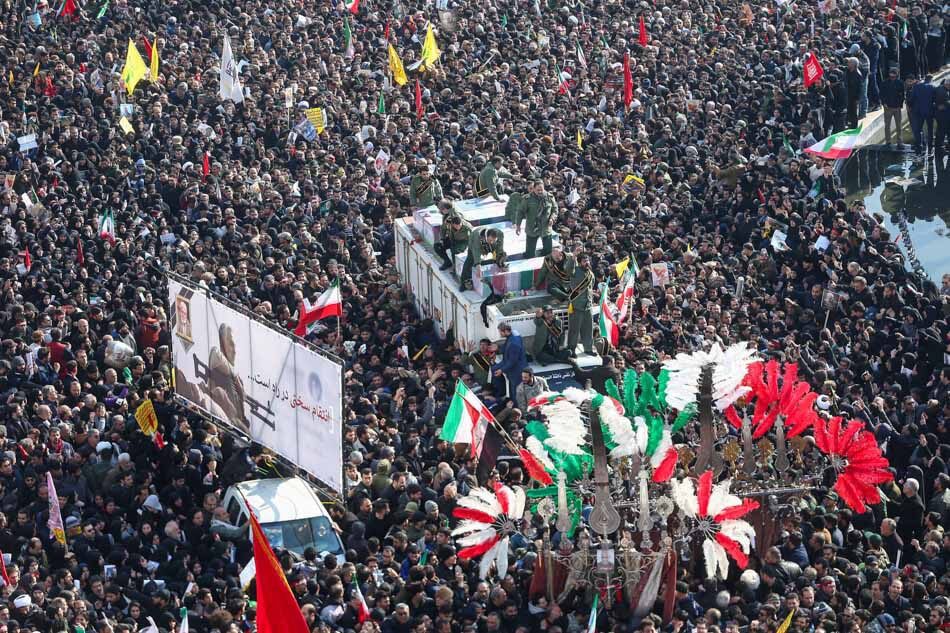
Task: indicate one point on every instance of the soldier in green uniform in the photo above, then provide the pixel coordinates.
(556, 271)
(488, 177)
(548, 345)
(424, 190)
(453, 239)
(482, 243)
(580, 323)
(537, 209)
(481, 362)
(515, 199)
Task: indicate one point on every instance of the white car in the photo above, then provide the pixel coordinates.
(290, 513)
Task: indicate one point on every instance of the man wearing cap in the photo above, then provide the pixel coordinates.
(548, 344)
(453, 239)
(537, 209)
(424, 190)
(487, 182)
(580, 322)
(556, 272)
(483, 242)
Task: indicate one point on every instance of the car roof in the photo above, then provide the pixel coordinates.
(278, 500)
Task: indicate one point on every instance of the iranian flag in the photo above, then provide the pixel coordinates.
(609, 320)
(581, 57)
(107, 226)
(348, 50)
(467, 419)
(592, 621)
(327, 305)
(354, 8)
(363, 614)
(836, 146)
(563, 80)
(628, 284)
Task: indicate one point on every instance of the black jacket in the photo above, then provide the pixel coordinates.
(892, 93)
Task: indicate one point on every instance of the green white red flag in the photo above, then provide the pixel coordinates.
(836, 146)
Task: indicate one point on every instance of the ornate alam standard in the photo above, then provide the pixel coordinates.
(617, 502)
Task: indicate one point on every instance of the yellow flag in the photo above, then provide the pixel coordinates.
(36, 71)
(395, 67)
(153, 67)
(430, 50)
(11, 77)
(580, 140)
(146, 417)
(621, 267)
(786, 623)
(316, 118)
(126, 126)
(135, 69)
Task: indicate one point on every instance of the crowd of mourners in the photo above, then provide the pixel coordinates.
(717, 118)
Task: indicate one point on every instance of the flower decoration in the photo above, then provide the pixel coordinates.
(487, 521)
(794, 399)
(729, 369)
(856, 458)
(717, 514)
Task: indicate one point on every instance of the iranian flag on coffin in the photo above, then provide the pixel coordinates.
(836, 146)
(520, 275)
(467, 419)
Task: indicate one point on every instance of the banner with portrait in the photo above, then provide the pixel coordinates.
(258, 381)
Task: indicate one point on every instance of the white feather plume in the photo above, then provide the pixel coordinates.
(484, 566)
(732, 364)
(709, 554)
(684, 495)
(501, 557)
(575, 395)
(721, 498)
(466, 526)
(477, 537)
(520, 499)
(729, 368)
(666, 443)
(536, 448)
(566, 426)
(620, 430)
(481, 499)
(740, 531)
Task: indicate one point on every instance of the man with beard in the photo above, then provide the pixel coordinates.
(580, 324)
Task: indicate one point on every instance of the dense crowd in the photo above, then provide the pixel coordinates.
(717, 115)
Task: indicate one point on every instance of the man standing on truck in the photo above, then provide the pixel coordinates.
(548, 344)
(556, 272)
(580, 323)
(424, 190)
(483, 242)
(538, 210)
(487, 182)
(453, 239)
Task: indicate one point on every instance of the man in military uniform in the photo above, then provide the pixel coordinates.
(424, 190)
(556, 271)
(548, 344)
(515, 198)
(488, 177)
(484, 242)
(580, 323)
(537, 209)
(453, 239)
(481, 362)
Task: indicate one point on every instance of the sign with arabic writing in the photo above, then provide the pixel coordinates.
(260, 382)
(146, 417)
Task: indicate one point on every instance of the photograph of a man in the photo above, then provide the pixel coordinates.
(224, 382)
(183, 322)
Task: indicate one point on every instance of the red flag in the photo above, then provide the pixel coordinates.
(50, 89)
(205, 167)
(82, 68)
(812, 70)
(3, 571)
(669, 597)
(627, 81)
(27, 260)
(277, 610)
(386, 32)
(355, 7)
(148, 48)
(69, 8)
(419, 109)
(80, 256)
(159, 440)
(643, 32)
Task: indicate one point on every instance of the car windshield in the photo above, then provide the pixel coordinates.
(300, 534)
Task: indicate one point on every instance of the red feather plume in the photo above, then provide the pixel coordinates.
(733, 549)
(535, 468)
(736, 512)
(703, 492)
(473, 514)
(478, 550)
(664, 471)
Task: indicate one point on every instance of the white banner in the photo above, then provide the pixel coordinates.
(279, 393)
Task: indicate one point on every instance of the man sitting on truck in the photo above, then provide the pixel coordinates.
(484, 242)
(548, 346)
(556, 271)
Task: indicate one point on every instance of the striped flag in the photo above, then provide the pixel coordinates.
(609, 325)
(55, 522)
(592, 621)
(327, 305)
(467, 419)
(107, 226)
(628, 285)
(581, 58)
(363, 614)
(836, 146)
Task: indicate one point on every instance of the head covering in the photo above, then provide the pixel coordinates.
(22, 601)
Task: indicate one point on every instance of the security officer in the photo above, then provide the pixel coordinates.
(580, 323)
(488, 177)
(481, 362)
(453, 239)
(556, 271)
(515, 199)
(483, 242)
(424, 190)
(537, 209)
(548, 344)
